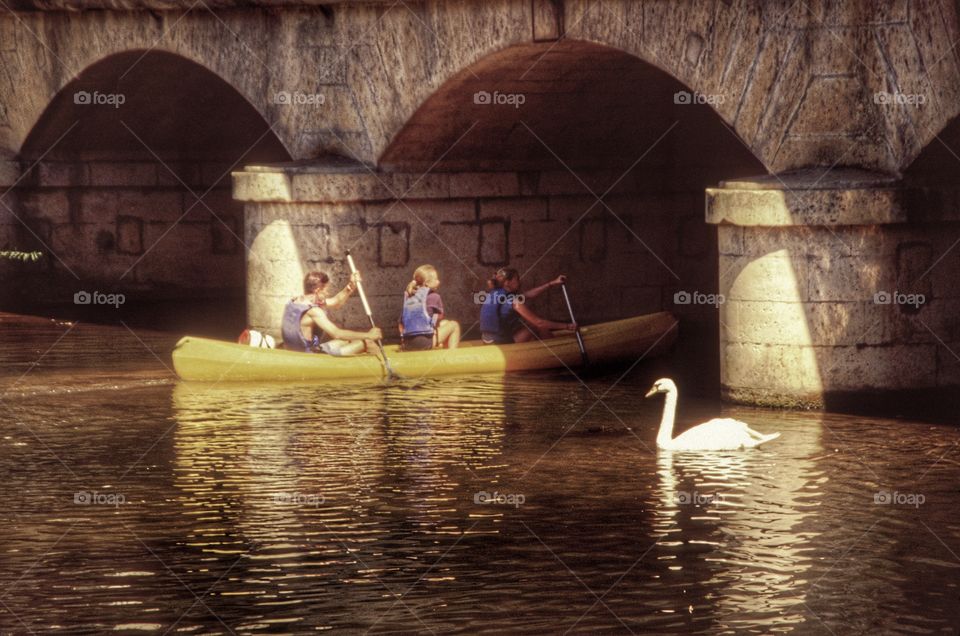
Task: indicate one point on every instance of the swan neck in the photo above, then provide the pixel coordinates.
(666, 422)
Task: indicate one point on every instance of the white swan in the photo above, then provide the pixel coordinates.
(717, 434)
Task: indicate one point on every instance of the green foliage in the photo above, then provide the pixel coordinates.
(14, 255)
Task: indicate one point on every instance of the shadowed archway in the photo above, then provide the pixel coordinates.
(638, 147)
(129, 190)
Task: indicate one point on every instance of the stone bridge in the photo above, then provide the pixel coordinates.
(563, 135)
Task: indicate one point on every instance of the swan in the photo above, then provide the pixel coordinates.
(717, 434)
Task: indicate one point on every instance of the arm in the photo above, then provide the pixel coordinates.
(536, 291)
(343, 295)
(320, 320)
(540, 323)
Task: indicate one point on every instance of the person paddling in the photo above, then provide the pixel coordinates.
(504, 315)
(305, 315)
(422, 323)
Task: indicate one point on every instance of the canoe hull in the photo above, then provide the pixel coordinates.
(205, 360)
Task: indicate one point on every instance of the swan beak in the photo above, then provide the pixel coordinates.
(652, 391)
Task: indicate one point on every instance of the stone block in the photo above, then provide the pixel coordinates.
(948, 364)
(774, 370)
(52, 205)
(484, 184)
(890, 367)
(568, 209)
(592, 234)
(519, 209)
(799, 324)
(225, 235)
(8, 32)
(9, 173)
(537, 239)
(129, 234)
(914, 260)
(313, 213)
(50, 174)
(262, 186)
(126, 174)
(164, 262)
(156, 205)
(562, 182)
(393, 244)
(179, 174)
(343, 187)
(547, 20)
(730, 240)
(98, 205)
(776, 276)
(762, 202)
(494, 247)
(843, 278)
(432, 185)
(432, 212)
(460, 241)
(275, 242)
(362, 239)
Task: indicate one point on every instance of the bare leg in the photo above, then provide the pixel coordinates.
(448, 333)
(527, 333)
(352, 348)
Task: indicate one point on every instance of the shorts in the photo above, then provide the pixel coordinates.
(418, 343)
(494, 338)
(333, 347)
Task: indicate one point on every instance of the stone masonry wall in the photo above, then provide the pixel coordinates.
(470, 225)
(852, 308)
(134, 228)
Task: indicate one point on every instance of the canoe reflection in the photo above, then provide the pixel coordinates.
(302, 471)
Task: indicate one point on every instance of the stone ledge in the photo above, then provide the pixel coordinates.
(343, 181)
(842, 197)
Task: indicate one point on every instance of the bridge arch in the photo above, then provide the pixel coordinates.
(128, 187)
(613, 156)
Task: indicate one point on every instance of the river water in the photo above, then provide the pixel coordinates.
(527, 504)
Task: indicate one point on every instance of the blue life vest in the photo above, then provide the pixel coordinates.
(415, 318)
(290, 327)
(497, 315)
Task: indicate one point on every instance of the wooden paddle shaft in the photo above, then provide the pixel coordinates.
(566, 297)
(363, 296)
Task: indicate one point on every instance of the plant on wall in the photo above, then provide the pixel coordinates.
(14, 255)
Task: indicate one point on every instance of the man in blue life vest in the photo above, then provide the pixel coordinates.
(305, 316)
(504, 315)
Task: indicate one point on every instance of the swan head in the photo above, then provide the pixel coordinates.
(663, 385)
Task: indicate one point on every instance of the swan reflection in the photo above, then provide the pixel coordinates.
(746, 518)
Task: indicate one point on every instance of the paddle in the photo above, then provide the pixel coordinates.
(583, 350)
(366, 308)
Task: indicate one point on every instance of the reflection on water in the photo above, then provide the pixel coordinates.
(360, 507)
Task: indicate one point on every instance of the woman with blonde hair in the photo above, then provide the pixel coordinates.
(422, 322)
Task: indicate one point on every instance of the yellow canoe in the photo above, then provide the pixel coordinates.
(206, 360)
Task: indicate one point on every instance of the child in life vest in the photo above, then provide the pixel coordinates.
(422, 323)
(504, 316)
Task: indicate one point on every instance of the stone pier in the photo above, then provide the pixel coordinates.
(839, 286)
